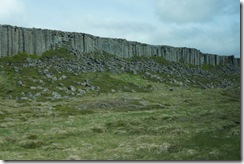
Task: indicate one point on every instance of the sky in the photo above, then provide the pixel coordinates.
(212, 26)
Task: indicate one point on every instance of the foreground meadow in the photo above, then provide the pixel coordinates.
(165, 124)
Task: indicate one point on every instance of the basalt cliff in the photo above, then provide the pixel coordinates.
(36, 41)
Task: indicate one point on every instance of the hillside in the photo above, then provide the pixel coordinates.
(98, 106)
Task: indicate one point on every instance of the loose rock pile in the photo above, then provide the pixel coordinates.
(170, 73)
(176, 73)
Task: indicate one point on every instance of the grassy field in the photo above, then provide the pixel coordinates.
(129, 118)
(183, 124)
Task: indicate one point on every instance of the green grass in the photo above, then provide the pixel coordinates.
(22, 56)
(211, 142)
(131, 117)
(187, 124)
(105, 81)
(59, 52)
(18, 58)
(6, 86)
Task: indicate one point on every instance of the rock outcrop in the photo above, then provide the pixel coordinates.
(36, 41)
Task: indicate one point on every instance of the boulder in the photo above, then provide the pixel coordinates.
(134, 72)
(95, 88)
(20, 83)
(86, 83)
(63, 77)
(49, 76)
(72, 88)
(37, 94)
(81, 91)
(61, 84)
(46, 90)
(33, 88)
(24, 98)
(41, 81)
(56, 95)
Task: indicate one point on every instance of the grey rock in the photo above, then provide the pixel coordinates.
(33, 88)
(33, 80)
(72, 88)
(86, 83)
(24, 98)
(37, 94)
(49, 76)
(22, 93)
(113, 71)
(50, 108)
(126, 88)
(54, 78)
(61, 84)
(56, 95)
(16, 69)
(41, 81)
(46, 90)
(181, 84)
(2, 72)
(95, 88)
(81, 91)
(66, 97)
(39, 87)
(60, 88)
(63, 77)
(20, 83)
(30, 95)
(148, 73)
(134, 72)
(46, 71)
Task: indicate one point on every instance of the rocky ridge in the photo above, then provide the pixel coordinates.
(36, 41)
(57, 77)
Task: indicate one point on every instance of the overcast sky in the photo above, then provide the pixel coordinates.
(212, 26)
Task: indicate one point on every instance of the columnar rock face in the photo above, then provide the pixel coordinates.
(36, 41)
